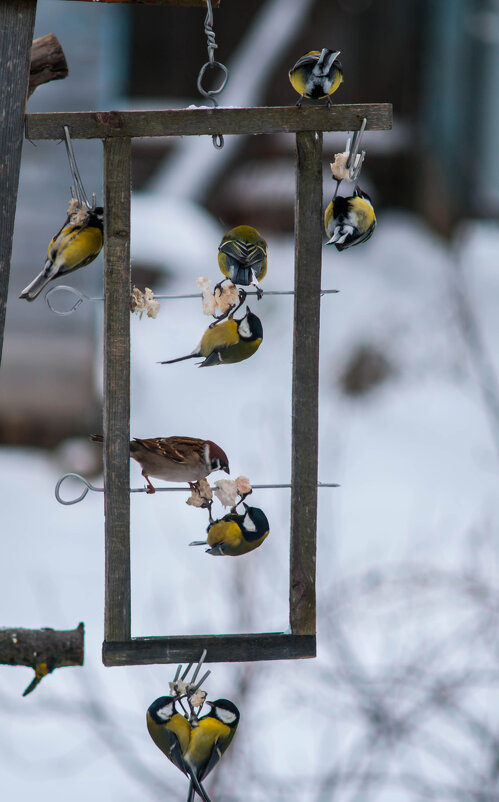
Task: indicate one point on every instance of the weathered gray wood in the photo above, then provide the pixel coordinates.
(184, 122)
(304, 411)
(17, 18)
(214, 3)
(29, 647)
(220, 649)
(117, 187)
(48, 62)
(43, 650)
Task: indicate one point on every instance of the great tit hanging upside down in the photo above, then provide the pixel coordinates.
(74, 246)
(208, 741)
(349, 221)
(235, 534)
(227, 342)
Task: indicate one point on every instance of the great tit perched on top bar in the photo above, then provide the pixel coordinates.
(242, 256)
(208, 741)
(227, 342)
(169, 730)
(317, 75)
(77, 244)
(235, 534)
(349, 221)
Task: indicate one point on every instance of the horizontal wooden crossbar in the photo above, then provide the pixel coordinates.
(202, 3)
(220, 649)
(191, 122)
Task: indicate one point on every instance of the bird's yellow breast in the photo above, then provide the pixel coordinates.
(364, 213)
(225, 532)
(178, 724)
(75, 247)
(203, 738)
(220, 336)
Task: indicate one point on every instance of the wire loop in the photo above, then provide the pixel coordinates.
(82, 298)
(90, 486)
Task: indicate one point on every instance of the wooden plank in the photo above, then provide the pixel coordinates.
(117, 186)
(185, 3)
(17, 19)
(192, 122)
(304, 410)
(220, 649)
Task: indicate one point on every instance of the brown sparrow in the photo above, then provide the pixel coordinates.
(175, 459)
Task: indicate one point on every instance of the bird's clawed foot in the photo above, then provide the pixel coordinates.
(150, 489)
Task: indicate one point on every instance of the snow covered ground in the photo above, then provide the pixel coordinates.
(415, 460)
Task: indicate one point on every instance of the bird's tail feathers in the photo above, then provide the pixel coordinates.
(196, 787)
(97, 438)
(34, 289)
(179, 359)
(325, 62)
(340, 234)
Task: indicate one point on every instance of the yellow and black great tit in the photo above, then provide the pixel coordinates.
(349, 221)
(317, 75)
(74, 246)
(242, 256)
(227, 342)
(169, 730)
(208, 741)
(236, 534)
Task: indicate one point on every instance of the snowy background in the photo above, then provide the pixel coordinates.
(401, 701)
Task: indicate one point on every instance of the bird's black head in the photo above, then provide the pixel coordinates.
(225, 711)
(96, 216)
(162, 709)
(250, 327)
(254, 523)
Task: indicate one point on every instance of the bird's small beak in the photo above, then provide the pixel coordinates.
(226, 469)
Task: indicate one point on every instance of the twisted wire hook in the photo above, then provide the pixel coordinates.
(78, 190)
(209, 94)
(181, 489)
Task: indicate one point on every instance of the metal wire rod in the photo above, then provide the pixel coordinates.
(81, 297)
(181, 489)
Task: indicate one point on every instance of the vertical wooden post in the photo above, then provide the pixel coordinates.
(17, 18)
(308, 253)
(117, 181)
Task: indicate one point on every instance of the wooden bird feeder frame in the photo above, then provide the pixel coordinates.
(116, 129)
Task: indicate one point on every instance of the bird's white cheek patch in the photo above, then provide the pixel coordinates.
(248, 524)
(165, 712)
(244, 329)
(225, 715)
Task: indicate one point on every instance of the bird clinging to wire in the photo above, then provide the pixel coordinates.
(208, 741)
(77, 244)
(242, 257)
(317, 75)
(349, 221)
(175, 459)
(169, 729)
(235, 534)
(226, 342)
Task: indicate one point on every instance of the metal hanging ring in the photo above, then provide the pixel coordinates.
(218, 141)
(210, 92)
